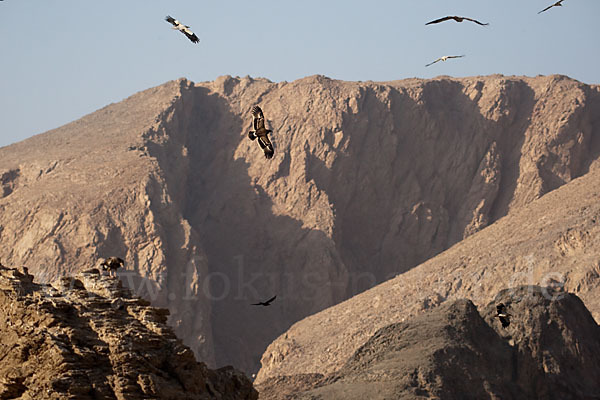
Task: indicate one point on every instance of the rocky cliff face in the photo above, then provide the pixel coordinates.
(550, 350)
(552, 241)
(88, 338)
(368, 180)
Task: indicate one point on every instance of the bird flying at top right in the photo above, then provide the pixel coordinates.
(557, 4)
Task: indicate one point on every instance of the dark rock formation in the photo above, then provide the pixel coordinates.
(556, 343)
(551, 350)
(87, 338)
(552, 241)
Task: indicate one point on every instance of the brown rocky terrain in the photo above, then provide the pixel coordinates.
(550, 350)
(368, 180)
(551, 241)
(88, 338)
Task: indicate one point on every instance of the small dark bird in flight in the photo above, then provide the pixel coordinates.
(557, 4)
(183, 29)
(260, 132)
(443, 59)
(265, 303)
(456, 18)
(111, 264)
(502, 315)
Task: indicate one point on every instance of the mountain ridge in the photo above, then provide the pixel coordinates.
(368, 180)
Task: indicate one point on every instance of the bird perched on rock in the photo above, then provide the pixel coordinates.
(28, 276)
(182, 28)
(457, 19)
(502, 315)
(111, 264)
(265, 303)
(260, 132)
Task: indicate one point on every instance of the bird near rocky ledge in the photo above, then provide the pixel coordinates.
(182, 28)
(502, 315)
(444, 58)
(265, 303)
(557, 4)
(457, 19)
(260, 132)
(111, 264)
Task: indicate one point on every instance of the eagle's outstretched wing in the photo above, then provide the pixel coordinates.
(258, 119)
(433, 62)
(477, 22)
(171, 20)
(437, 21)
(190, 35)
(266, 145)
(557, 4)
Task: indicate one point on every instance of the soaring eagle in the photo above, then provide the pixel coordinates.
(264, 303)
(502, 315)
(557, 4)
(442, 59)
(456, 18)
(260, 132)
(111, 264)
(183, 29)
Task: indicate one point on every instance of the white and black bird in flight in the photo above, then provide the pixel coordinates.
(265, 303)
(182, 28)
(557, 4)
(456, 18)
(444, 58)
(502, 315)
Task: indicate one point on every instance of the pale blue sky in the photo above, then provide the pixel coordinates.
(62, 59)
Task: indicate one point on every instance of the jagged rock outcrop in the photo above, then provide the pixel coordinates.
(552, 241)
(555, 340)
(368, 180)
(551, 350)
(87, 338)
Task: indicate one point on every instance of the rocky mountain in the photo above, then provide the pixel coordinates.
(87, 337)
(553, 241)
(368, 180)
(550, 350)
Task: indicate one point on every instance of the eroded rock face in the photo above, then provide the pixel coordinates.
(552, 241)
(368, 180)
(550, 350)
(87, 337)
(556, 342)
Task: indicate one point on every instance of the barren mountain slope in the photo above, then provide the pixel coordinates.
(87, 338)
(90, 190)
(552, 241)
(550, 349)
(368, 180)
